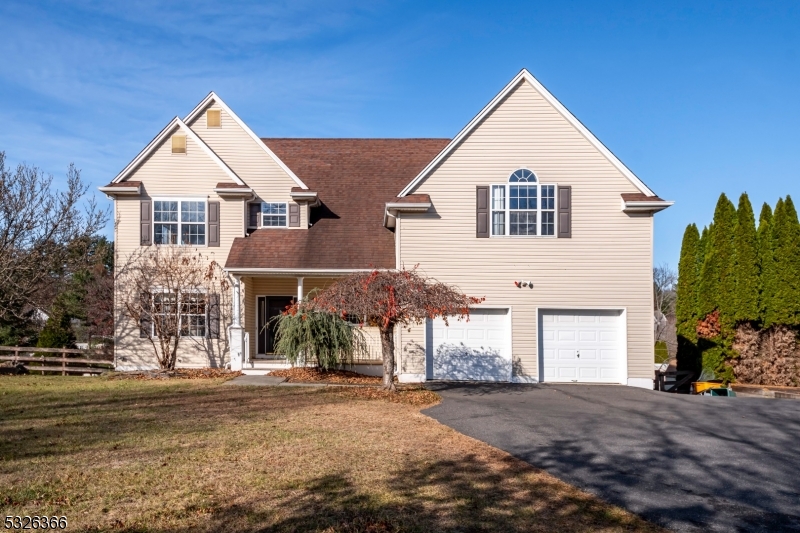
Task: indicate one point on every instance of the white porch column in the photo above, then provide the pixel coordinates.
(299, 288)
(235, 330)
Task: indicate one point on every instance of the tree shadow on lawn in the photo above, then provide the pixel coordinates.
(47, 426)
(465, 495)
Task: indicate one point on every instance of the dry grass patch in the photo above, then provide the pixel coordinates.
(182, 455)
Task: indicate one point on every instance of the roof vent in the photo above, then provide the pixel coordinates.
(213, 118)
(179, 144)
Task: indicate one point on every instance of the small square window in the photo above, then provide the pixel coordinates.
(273, 214)
(179, 144)
(213, 119)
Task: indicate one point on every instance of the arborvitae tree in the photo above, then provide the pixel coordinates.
(746, 268)
(766, 264)
(784, 304)
(702, 247)
(686, 305)
(717, 282)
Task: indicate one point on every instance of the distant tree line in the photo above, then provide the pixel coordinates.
(56, 271)
(738, 294)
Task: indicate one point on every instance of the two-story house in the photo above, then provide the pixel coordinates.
(524, 207)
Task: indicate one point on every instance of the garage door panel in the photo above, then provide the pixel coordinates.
(566, 335)
(473, 350)
(594, 334)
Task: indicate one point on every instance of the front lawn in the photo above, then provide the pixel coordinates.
(198, 455)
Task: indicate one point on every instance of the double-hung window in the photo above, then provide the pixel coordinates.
(179, 222)
(185, 311)
(523, 206)
(273, 214)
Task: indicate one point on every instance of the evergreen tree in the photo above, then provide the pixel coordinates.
(746, 267)
(57, 332)
(686, 305)
(784, 300)
(717, 281)
(765, 264)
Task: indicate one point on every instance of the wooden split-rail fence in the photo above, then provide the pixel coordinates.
(62, 361)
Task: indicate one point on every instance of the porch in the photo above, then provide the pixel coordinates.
(258, 298)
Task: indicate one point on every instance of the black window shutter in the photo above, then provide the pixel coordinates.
(564, 212)
(213, 316)
(294, 216)
(482, 211)
(255, 210)
(145, 321)
(145, 226)
(213, 223)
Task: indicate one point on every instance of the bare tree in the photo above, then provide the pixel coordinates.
(388, 298)
(665, 280)
(44, 235)
(172, 294)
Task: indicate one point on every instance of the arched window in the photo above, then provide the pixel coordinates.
(523, 206)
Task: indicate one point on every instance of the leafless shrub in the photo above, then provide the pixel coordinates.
(173, 294)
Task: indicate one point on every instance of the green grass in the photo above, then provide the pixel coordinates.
(198, 455)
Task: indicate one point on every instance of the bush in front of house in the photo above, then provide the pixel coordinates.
(317, 338)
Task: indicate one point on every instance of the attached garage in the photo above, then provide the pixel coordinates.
(474, 350)
(584, 346)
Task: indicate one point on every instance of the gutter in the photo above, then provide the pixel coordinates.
(112, 191)
(643, 206)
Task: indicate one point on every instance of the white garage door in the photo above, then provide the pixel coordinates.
(478, 350)
(582, 346)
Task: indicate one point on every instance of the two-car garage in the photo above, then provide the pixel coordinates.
(583, 346)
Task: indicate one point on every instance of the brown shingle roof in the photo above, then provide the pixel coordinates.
(639, 197)
(354, 179)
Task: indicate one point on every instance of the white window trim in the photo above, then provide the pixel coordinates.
(179, 200)
(538, 209)
(261, 220)
(199, 290)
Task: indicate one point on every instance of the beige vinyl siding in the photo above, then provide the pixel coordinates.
(247, 159)
(607, 262)
(165, 174)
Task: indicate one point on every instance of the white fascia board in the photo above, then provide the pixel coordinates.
(393, 208)
(524, 75)
(212, 97)
(114, 191)
(175, 123)
(645, 206)
(303, 195)
(146, 151)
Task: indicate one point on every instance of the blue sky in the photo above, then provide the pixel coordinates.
(695, 97)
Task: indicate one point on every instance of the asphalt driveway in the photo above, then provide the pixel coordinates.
(689, 463)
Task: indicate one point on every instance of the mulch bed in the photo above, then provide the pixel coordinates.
(182, 373)
(405, 394)
(315, 375)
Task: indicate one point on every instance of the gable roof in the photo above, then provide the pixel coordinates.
(212, 97)
(175, 123)
(525, 76)
(354, 179)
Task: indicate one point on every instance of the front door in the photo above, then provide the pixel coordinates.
(269, 307)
